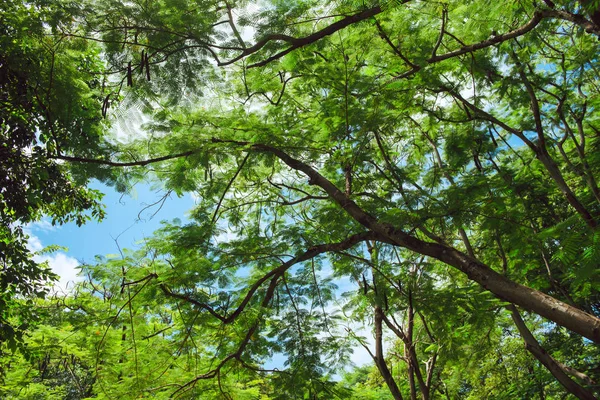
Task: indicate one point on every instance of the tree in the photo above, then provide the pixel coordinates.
(49, 102)
(461, 135)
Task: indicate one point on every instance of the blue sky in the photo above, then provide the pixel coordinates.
(98, 238)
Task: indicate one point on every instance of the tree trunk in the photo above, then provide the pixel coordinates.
(379, 356)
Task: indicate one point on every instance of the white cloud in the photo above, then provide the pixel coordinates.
(60, 263)
(34, 244)
(65, 267)
(43, 225)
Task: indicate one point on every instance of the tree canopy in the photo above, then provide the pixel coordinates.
(415, 178)
(49, 86)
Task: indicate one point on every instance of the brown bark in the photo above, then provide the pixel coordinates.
(532, 345)
(593, 12)
(410, 355)
(533, 22)
(409, 350)
(379, 356)
(592, 26)
(577, 374)
(556, 175)
(411, 373)
(301, 42)
(124, 164)
(530, 299)
(405, 334)
(414, 360)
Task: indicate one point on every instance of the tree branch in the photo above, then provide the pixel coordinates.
(555, 310)
(526, 297)
(533, 22)
(237, 172)
(276, 272)
(577, 19)
(532, 345)
(301, 42)
(124, 164)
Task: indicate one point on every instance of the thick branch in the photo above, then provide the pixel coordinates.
(380, 359)
(237, 172)
(528, 298)
(577, 19)
(532, 345)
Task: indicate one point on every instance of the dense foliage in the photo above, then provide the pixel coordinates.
(49, 103)
(415, 178)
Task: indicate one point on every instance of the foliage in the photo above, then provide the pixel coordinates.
(50, 93)
(409, 171)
